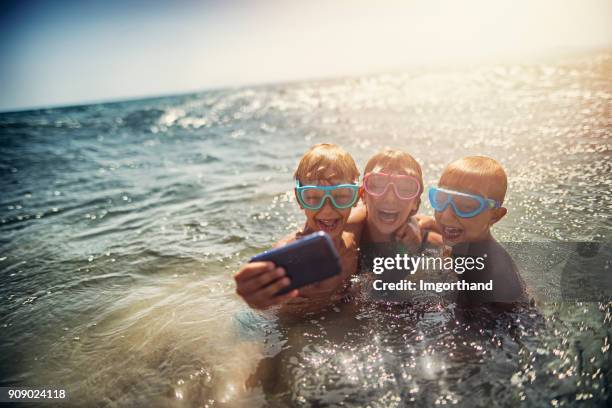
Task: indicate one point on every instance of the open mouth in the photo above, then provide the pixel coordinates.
(328, 225)
(387, 216)
(451, 233)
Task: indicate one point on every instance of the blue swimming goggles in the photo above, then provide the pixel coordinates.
(340, 196)
(465, 205)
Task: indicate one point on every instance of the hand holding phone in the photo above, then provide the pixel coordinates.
(258, 282)
(308, 260)
(272, 277)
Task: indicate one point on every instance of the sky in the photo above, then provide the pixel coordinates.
(55, 53)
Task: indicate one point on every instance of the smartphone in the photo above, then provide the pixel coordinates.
(308, 260)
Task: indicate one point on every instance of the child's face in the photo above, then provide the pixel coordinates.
(456, 229)
(328, 218)
(388, 212)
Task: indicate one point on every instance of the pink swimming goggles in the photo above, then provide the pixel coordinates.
(405, 187)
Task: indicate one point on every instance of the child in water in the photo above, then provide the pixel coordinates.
(468, 202)
(391, 192)
(326, 190)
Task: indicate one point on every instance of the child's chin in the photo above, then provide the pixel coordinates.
(387, 229)
(389, 224)
(452, 241)
(336, 233)
(333, 231)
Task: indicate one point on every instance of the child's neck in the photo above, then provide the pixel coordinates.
(338, 241)
(372, 234)
(486, 236)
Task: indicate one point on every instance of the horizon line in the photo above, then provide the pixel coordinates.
(437, 66)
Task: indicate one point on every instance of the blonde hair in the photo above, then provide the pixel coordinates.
(395, 160)
(326, 161)
(476, 171)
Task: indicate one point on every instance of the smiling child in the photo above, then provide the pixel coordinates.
(468, 202)
(326, 189)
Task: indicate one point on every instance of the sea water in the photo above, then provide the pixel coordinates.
(121, 225)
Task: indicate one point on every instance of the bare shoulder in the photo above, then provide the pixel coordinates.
(350, 240)
(358, 215)
(356, 221)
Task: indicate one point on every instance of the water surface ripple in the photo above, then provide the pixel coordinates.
(122, 223)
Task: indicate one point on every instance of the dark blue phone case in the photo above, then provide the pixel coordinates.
(307, 260)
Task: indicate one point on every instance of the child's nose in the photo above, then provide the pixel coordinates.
(389, 194)
(448, 214)
(327, 206)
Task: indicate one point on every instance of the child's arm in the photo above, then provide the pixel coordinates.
(257, 282)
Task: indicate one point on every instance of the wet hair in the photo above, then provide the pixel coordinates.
(395, 160)
(326, 161)
(476, 171)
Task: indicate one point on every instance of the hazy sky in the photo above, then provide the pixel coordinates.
(66, 52)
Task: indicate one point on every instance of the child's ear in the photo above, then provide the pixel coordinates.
(296, 198)
(498, 214)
